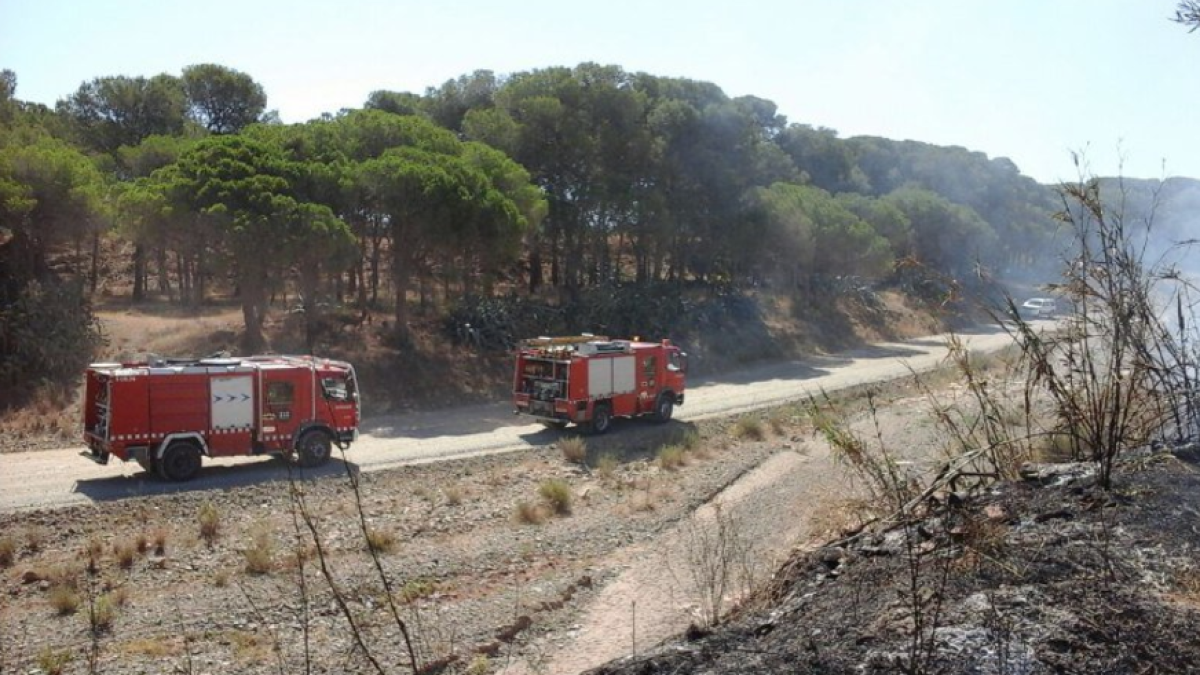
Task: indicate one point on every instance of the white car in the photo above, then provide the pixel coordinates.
(1039, 307)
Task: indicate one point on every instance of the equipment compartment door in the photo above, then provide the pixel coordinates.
(232, 402)
(287, 402)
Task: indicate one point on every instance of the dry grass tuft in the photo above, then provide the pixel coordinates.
(644, 501)
(671, 457)
(153, 646)
(159, 537)
(750, 428)
(8, 551)
(210, 523)
(780, 419)
(120, 596)
(416, 589)
(93, 551)
(607, 465)
(260, 557)
(34, 538)
(557, 495)
(126, 554)
(104, 612)
(64, 599)
(574, 449)
(250, 647)
(480, 665)
(454, 495)
(53, 661)
(689, 440)
(530, 513)
(381, 541)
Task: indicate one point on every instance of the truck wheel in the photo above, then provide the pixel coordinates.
(314, 449)
(664, 407)
(601, 420)
(179, 462)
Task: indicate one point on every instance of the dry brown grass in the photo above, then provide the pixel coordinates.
(53, 661)
(120, 596)
(210, 522)
(574, 449)
(52, 413)
(159, 537)
(64, 599)
(530, 513)
(260, 556)
(1186, 585)
(8, 551)
(607, 465)
(125, 553)
(381, 541)
(749, 427)
(156, 647)
(250, 647)
(671, 457)
(34, 538)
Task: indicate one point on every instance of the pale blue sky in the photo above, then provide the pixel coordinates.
(1031, 80)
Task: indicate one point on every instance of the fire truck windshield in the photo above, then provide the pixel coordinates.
(337, 388)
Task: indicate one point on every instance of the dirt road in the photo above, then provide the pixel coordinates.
(60, 477)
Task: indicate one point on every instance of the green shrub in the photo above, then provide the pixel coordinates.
(48, 333)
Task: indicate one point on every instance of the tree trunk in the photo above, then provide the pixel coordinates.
(139, 273)
(160, 265)
(253, 296)
(535, 269)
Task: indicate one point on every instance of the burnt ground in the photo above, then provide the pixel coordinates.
(1050, 575)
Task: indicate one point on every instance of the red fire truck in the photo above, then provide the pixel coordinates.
(589, 379)
(168, 413)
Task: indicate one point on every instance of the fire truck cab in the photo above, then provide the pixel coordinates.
(589, 380)
(166, 414)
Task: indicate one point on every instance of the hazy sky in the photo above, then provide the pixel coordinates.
(1031, 80)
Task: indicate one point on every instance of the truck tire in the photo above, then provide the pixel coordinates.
(314, 449)
(601, 419)
(664, 407)
(179, 462)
